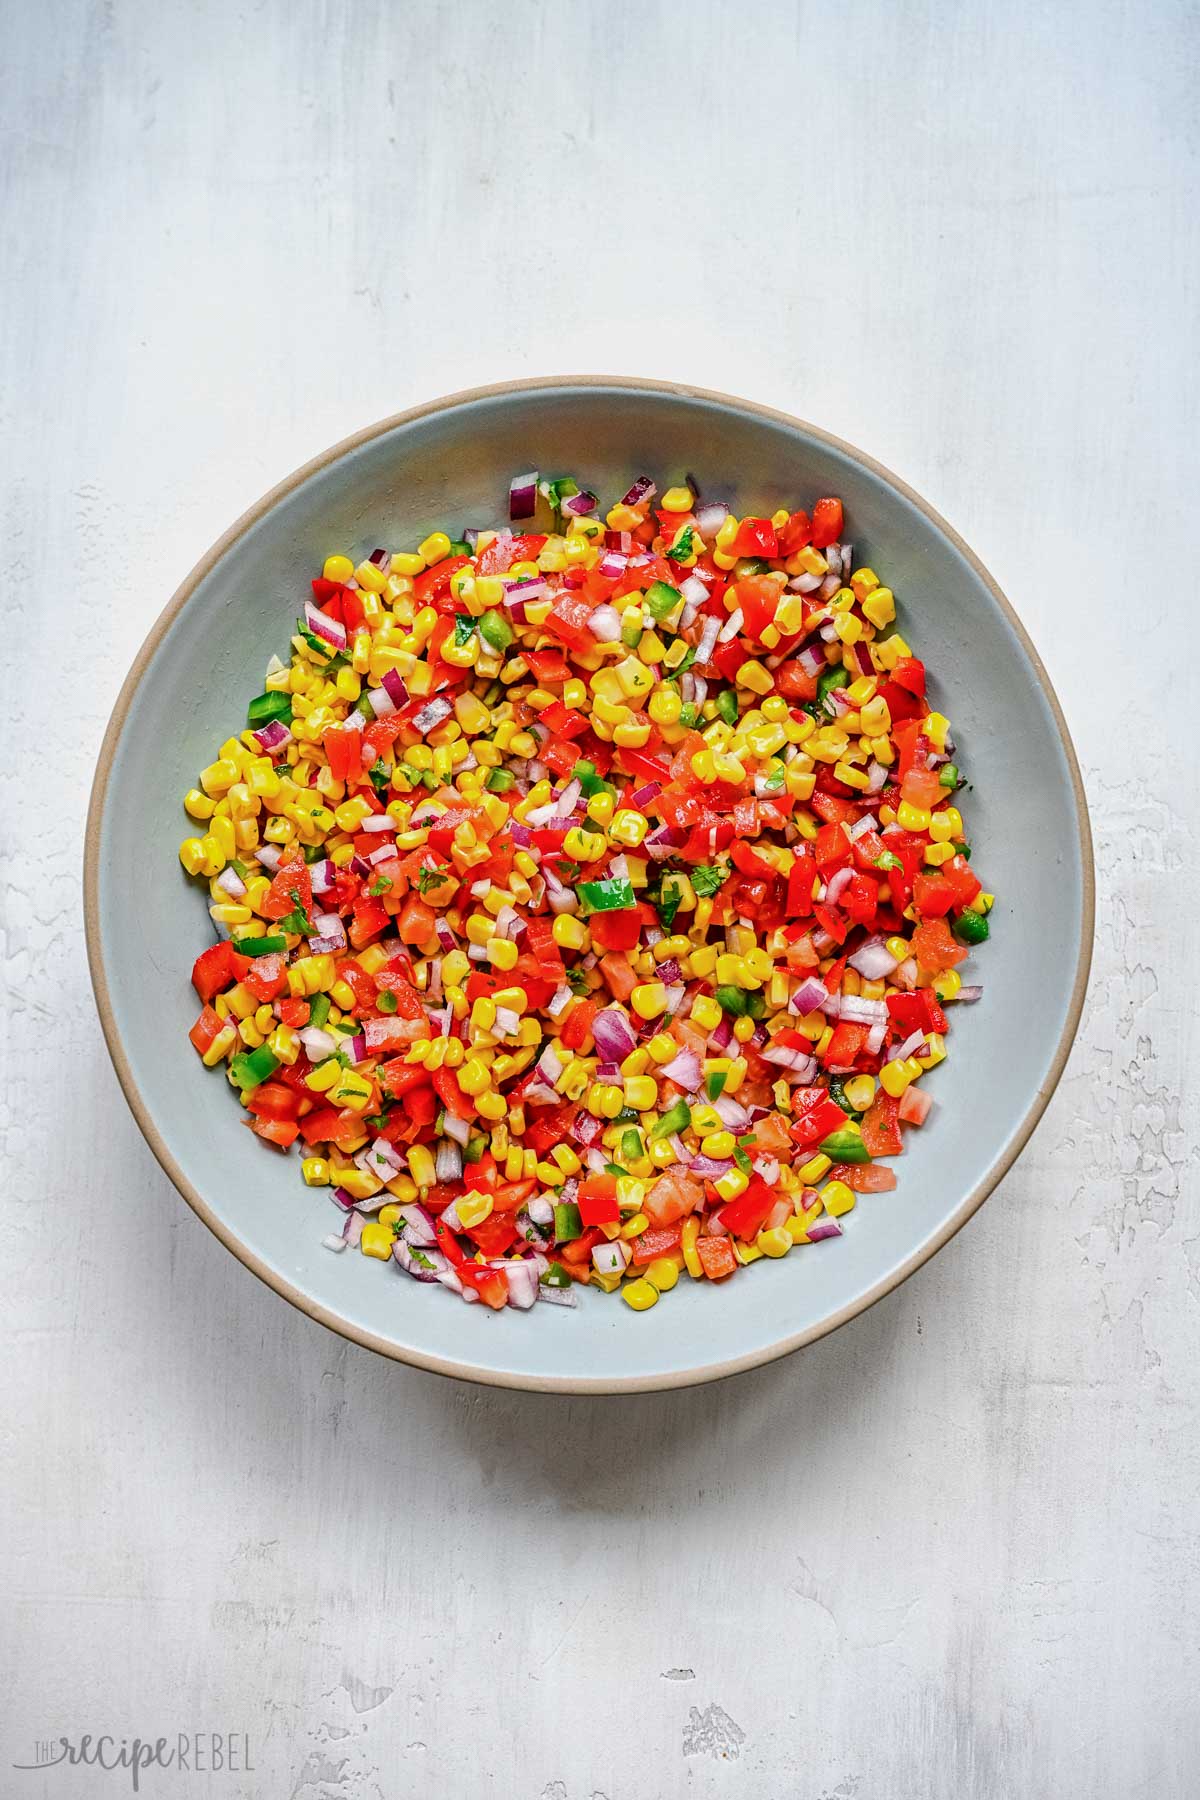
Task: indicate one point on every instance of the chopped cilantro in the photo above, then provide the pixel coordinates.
(431, 878)
(708, 877)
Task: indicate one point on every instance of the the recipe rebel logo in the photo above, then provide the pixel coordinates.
(195, 1752)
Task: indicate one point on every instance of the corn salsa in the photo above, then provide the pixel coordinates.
(589, 894)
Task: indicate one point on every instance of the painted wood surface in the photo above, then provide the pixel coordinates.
(950, 1552)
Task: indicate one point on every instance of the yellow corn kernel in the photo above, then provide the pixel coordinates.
(338, 568)
(691, 1231)
(937, 854)
(566, 1159)
(860, 1092)
(754, 676)
(421, 1165)
(352, 1090)
(649, 999)
(640, 1294)
(492, 1105)
(191, 855)
(220, 1047)
(315, 1169)
(376, 1240)
(600, 807)
(584, 846)
(474, 1208)
(730, 1185)
(947, 984)
(774, 1243)
(912, 818)
(719, 1144)
(641, 1092)
(568, 933)
(879, 607)
(473, 1076)
(896, 1076)
(628, 827)
(837, 1198)
(813, 1169)
(198, 805)
(502, 953)
(934, 1051)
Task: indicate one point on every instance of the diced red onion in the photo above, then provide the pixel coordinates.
(612, 1258)
(710, 517)
(521, 593)
(721, 1033)
(710, 1168)
(642, 489)
(578, 506)
(381, 702)
(270, 856)
(523, 1284)
(612, 564)
(448, 1163)
(432, 714)
(380, 821)
(231, 882)
(838, 881)
(730, 628)
(804, 584)
(873, 960)
(326, 946)
(811, 659)
(333, 1241)
(318, 1044)
(273, 736)
(910, 1046)
(322, 626)
(395, 687)
(615, 1039)
(675, 996)
(343, 1199)
(693, 590)
(875, 1039)
(418, 1223)
(684, 1070)
(857, 1011)
(644, 795)
(708, 639)
(557, 1296)
(825, 1228)
(966, 995)
(522, 495)
(605, 625)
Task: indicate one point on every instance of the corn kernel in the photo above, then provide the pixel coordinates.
(640, 1294)
(376, 1240)
(774, 1243)
(837, 1198)
(649, 999)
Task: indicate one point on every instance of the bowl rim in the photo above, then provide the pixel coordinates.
(274, 1278)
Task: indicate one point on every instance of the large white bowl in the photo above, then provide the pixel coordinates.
(449, 463)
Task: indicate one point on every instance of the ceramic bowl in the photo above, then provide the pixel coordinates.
(450, 461)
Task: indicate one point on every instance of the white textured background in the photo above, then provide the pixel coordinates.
(950, 1552)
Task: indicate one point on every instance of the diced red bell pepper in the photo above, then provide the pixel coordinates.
(616, 930)
(918, 1011)
(494, 1234)
(909, 672)
(846, 1043)
(280, 1132)
(744, 1216)
(457, 1104)
(933, 895)
(801, 876)
(965, 884)
(549, 667)
(756, 537)
(832, 849)
(218, 968)
(577, 1029)
(816, 1115)
(795, 535)
(272, 1100)
(206, 1028)
(568, 619)
(499, 556)
(343, 749)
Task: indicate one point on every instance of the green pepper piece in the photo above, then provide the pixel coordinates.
(689, 715)
(459, 547)
(250, 1068)
(495, 630)
(972, 928)
(732, 1000)
(750, 565)
(555, 1276)
(676, 1119)
(845, 1146)
(318, 1010)
(499, 781)
(661, 599)
(567, 1222)
(631, 635)
(727, 706)
(260, 946)
(837, 1093)
(266, 709)
(585, 774)
(387, 1002)
(611, 895)
(948, 778)
(714, 1084)
(473, 1149)
(632, 1146)
(832, 678)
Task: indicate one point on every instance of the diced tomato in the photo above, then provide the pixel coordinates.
(796, 534)
(343, 750)
(568, 619)
(576, 1030)
(597, 1200)
(218, 968)
(434, 584)
(963, 882)
(672, 1197)
(716, 1257)
(416, 922)
(549, 1126)
(934, 948)
(500, 555)
(915, 1105)
(291, 888)
(864, 1178)
(757, 596)
(827, 523)
(618, 972)
(663, 1241)
(616, 930)
(490, 1284)
(881, 1126)
(756, 537)
(280, 1132)
(549, 667)
(794, 682)
(294, 1012)
(918, 1011)
(272, 1100)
